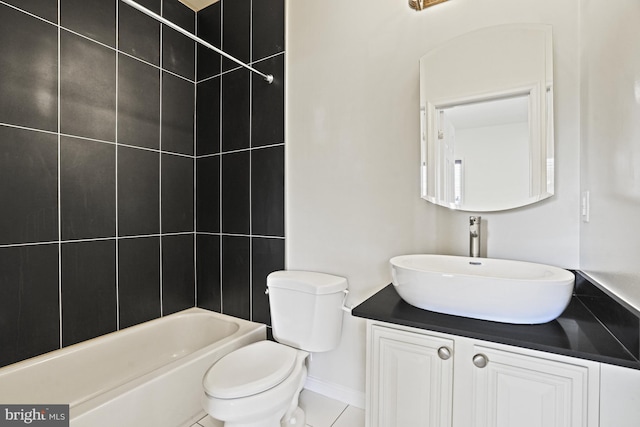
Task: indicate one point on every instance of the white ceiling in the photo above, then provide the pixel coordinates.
(197, 5)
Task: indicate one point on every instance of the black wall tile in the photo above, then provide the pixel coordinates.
(28, 186)
(235, 193)
(178, 53)
(178, 273)
(178, 106)
(177, 193)
(95, 19)
(208, 116)
(138, 191)
(209, 29)
(235, 110)
(29, 64)
(139, 34)
(236, 270)
(236, 32)
(208, 194)
(267, 191)
(88, 290)
(268, 28)
(47, 9)
(138, 103)
(208, 271)
(138, 280)
(267, 106)
(87, 88)
(179, 14)
(267, 255)
(87, 189)
(30, 323)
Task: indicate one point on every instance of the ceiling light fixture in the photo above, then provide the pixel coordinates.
(423, 4)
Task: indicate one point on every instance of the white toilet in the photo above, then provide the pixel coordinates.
(258, 385)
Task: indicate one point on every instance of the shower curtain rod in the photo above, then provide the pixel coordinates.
(267, 77)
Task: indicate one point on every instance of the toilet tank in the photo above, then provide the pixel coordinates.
(306, 309)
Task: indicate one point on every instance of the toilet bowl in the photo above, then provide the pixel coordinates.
(259, 385)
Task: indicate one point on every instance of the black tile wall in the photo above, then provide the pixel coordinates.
(88, 290)
(87, 189)
(177, 194)
(178, 99)
(267, 106)
(138, 192)
(178, 51)
(138, 280)
(29, 64)
(139, 34)
(236, 31)
(95, 19)
(236, 199)
(267, 191)
(43, 8)
(208, 271)
(138, 103)
(28, 302)
(178, 270)
(236, 119)
(209, 62)
(99, 138)
(268, 28)
(208, 194)
(87, 88)
(240, 158)
(208, 114)
(28, 173)
(75, 181)
(236, 271)
(267, 256)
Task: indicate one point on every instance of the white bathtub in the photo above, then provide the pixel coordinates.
(145, 375)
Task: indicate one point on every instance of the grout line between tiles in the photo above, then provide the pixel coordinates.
(117, 245)
(59, 175)
(161, 61)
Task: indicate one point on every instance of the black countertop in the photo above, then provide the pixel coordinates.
(577, 332)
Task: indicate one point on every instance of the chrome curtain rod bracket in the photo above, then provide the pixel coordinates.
(267, 77)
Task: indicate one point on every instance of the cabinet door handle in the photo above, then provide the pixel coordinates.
(444, 353)
(480, 360)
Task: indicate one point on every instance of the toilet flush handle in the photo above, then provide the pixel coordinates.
(344, 302)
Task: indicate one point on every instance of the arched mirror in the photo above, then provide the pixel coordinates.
(486, 114)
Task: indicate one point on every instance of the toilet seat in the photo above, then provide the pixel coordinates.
(250, 370)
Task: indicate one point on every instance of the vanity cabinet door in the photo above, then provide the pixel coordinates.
(410, 379)
(619, 396)
(514, 389)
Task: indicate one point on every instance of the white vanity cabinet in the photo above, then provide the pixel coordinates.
(421, 378)
(410, 378)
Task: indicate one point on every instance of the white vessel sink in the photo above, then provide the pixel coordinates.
(483, 288)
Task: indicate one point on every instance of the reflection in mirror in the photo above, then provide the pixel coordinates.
(483, 152)
(487, 142)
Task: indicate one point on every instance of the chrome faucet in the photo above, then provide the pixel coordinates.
(474, 236)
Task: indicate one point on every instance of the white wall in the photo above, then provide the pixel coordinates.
(610, 244)
(352, 153)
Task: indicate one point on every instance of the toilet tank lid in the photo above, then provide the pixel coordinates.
(310, 282)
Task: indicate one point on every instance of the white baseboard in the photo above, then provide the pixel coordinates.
(336, 391)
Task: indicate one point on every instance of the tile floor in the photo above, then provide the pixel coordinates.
(321, 411)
